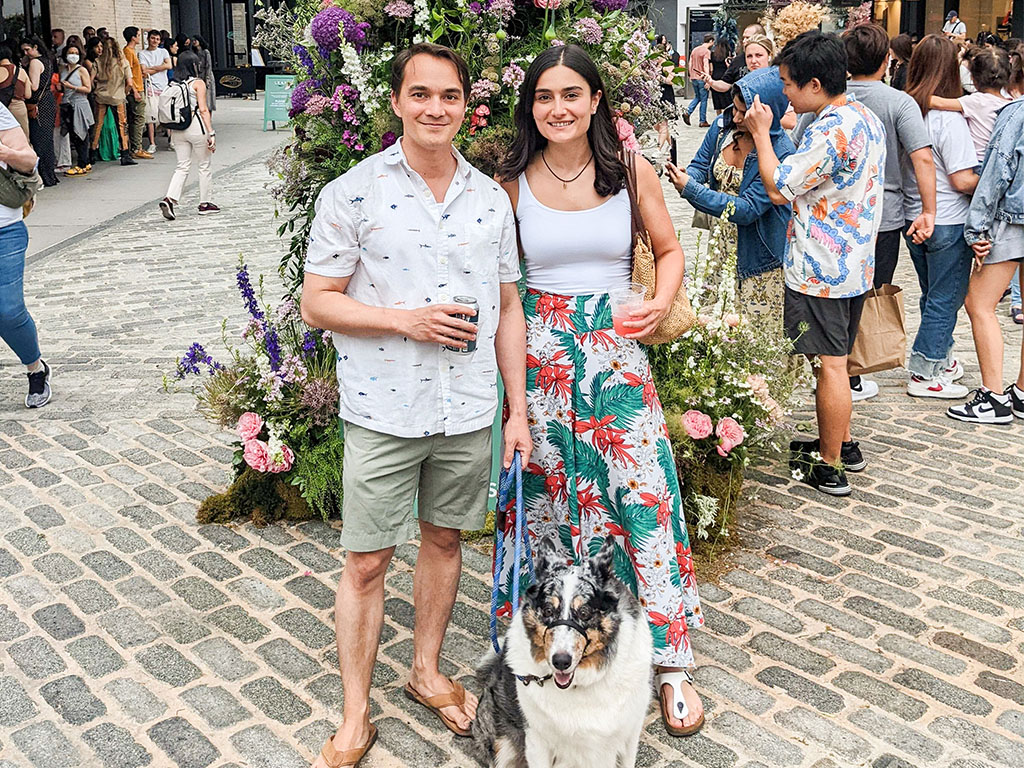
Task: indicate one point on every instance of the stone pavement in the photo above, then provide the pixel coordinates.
(884, 629)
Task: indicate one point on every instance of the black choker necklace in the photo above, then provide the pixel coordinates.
(566, 182)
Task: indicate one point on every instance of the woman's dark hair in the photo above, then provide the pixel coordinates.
(1016, 82)
(401, 61)
(72, 47)
(75, 40)
(187, 66)
(990, 68)
(722, 50)
(182, 41)
(198, 43)
(36, 42)
(6, 52)
(933, 71)
(902, 46)
(90, 48)
(609, 172)
(867, 45)
(818, 55)
(737, 93)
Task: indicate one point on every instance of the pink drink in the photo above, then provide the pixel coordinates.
(624, 301)
(618, 323)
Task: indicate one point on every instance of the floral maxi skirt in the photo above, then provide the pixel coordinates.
(602, 463)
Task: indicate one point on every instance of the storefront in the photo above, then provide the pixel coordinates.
(24, 17)
(918, 18)
(226, 25)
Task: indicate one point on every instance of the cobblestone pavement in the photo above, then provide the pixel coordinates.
(884, 629)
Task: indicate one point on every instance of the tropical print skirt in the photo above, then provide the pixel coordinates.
(602, 464)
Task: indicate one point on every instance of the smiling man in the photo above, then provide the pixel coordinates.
(413, 263)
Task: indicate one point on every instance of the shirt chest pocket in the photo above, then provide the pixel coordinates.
(475, 248)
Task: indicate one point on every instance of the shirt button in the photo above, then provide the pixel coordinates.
(444, 259)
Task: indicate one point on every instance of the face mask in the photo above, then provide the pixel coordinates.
(72, 58)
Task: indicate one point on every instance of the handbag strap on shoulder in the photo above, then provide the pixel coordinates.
(637, 227)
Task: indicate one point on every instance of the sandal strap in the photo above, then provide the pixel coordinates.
(674, 680)
(456, 698)
(336, 758)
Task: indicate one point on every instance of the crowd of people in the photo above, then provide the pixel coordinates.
(864, 167)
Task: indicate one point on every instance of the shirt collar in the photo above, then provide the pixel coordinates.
(395, 155)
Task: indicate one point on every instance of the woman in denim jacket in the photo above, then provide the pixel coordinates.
(995, 230)
(723, 173)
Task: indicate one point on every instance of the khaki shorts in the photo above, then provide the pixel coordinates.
(384, 474)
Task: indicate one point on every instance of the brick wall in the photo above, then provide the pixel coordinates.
(115, 15)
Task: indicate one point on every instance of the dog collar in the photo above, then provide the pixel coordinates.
(527, 679)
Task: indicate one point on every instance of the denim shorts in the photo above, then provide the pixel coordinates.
(1007, 243)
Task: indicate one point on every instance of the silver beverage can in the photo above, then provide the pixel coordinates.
(469, 301)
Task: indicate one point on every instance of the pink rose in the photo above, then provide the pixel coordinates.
(626, 134)
(249, 426)
(257, 455)
(696, 424)
(283, 460)
(552, 4)
(730, 434)
(703, 320)
(732, 319)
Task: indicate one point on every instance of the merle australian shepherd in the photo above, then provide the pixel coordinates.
(572, 684)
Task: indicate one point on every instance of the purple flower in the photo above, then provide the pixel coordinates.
(331, 23)
(273, 346)
(248, 294)
(503, 10)
(589, 31)
(476, 8)
(387, 140)
(399, 9)
(193, 359)
(482, 90)
(513, 76)
(300, 97)
(604, 6)
(308, 343)
(304, 58)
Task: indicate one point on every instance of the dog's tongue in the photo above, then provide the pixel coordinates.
(562, 679)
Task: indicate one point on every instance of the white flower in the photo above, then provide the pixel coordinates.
(422, 17)
(797, 474)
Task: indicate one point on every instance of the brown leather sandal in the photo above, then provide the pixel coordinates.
(350, 757)
(436, 703)
(675, 680)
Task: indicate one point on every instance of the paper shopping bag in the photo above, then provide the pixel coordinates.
(881, 343)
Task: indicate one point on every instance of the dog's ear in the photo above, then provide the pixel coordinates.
(548, 554)
(601, 563)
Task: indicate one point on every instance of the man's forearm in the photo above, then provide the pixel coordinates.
(334, 311)
(767, 163)
(510, 349)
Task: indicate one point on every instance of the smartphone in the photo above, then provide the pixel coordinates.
(672, 152)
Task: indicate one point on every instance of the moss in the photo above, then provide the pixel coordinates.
(263, 498)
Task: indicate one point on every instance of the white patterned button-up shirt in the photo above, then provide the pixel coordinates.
(380, 225)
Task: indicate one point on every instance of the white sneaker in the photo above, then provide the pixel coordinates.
(955, 372)
(940, 387)
(151, 148)
(866, 389)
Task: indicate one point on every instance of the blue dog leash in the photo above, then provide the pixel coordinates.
(522, 542)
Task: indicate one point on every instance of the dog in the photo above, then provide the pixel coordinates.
(572, 685)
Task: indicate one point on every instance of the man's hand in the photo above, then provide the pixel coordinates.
(436, 323)
(517, 438)
(922, 228)
(677, 176)
(758, 119)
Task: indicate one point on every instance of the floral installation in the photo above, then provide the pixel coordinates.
(277, 390)
(794, 19)
(341, 52)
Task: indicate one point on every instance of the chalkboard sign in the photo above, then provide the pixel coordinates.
(277, 99)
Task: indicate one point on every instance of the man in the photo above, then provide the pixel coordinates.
(102, 33)
(834, 182)
(88, 33)
(394, 242)
(867, 51)
(57, 41)
(700, 69)
(954, 29)
(155, 61)
(136, 93)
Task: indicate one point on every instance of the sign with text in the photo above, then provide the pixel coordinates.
(277, 99)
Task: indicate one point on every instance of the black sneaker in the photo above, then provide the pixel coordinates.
(167, 208)
(38, 388)
(126, 159)
(984, 408)
(822, 477)
(853, 460)
(205, 209)
(1016, 400)
(851, 457)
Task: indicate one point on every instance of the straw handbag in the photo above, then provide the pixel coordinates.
(680, 316)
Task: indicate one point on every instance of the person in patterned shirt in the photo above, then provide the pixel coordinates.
(835, 183)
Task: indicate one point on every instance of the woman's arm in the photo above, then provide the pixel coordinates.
(16, 151)
(35, 71)
(717, 85)
(204, 110)
(668, 253)
(699, 168)
(946, 105)
(748, 206)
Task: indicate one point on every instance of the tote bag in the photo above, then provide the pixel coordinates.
(881, 342)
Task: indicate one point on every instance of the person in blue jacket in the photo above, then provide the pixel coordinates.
(723, 172)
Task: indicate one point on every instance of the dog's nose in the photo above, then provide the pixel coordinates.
(561, 661)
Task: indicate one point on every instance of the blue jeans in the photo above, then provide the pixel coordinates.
(16, 326)
(701, 96)
(1015, 289)
(943, 264)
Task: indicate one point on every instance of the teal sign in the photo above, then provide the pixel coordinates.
(277, 99)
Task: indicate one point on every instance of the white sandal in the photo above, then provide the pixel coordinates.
(679, 709)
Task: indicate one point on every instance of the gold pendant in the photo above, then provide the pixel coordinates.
(564, 185)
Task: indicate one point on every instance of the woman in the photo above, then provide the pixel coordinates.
(14, 86)
(757, 54)
(202, 50)
(721, 55)
(112, 75)
(943, 261)
(16, 325)
(42, 108)
(599, 469)
(902, 48)
(77, 85)
(196, 144)
(723, 172)
(997, 238)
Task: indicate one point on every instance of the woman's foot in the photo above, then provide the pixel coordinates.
(693, 703)
(167, 208)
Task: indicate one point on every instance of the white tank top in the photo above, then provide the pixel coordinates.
(575, 253)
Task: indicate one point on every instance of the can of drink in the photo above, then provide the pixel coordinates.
(469, 301)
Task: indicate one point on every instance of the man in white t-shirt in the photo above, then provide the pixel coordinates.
(954, 29)
(155, 62)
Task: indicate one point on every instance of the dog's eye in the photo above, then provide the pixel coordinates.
(550, 611)
(584, 613)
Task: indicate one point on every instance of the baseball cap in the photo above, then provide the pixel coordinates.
(950, 15)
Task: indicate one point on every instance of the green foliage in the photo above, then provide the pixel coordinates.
(318, 469)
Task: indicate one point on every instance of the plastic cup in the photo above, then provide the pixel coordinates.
(624, 301)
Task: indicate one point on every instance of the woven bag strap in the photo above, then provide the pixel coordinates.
(638, 229)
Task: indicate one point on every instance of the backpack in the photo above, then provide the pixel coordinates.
(176, 107)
